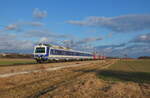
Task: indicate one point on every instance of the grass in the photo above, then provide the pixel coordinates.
(7, 61)
(127, 70)
(131, 65)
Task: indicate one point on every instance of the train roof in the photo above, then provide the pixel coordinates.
(54, 46)
(61, 48)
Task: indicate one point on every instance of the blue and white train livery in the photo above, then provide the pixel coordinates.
(45, 52)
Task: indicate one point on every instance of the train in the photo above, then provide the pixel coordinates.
(48, 52)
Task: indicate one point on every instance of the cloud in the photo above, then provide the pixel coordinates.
(10, 42)
(12, 27)
(34, 23)
(110, 35)
(45, 40)
(83, 44)
(138, 46)
(126, 23)
(18, 26)
(110, 50)
(88, 40)
(136, 50)
(43, 33)
(111, 46)
(144, 38)
(130, 49)
(39, 14)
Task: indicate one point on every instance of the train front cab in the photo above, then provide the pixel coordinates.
(41, 53)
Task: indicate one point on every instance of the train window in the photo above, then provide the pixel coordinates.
(58, 52)
(62, 52)
(80, 54)
(84, 54)
(66, 52)
(40, 50)
(77, 54)
(69, 53)
(52, 51)
(74, 53)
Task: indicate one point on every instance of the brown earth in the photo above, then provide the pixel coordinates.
(72, 82)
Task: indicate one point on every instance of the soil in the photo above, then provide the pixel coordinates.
(68, 82)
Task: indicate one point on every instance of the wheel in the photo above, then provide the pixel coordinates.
(38, 61)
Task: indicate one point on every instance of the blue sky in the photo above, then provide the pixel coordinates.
(89, 24)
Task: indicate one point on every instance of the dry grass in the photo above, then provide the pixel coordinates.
(128, 70)
(77, 82)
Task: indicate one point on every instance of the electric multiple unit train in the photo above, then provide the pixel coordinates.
(45, 52)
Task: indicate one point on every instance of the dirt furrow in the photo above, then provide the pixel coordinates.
(39, 86)
(66, 81)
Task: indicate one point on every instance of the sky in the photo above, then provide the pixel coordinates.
(109, 27)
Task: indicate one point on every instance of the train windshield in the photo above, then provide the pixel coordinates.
(40, 50)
